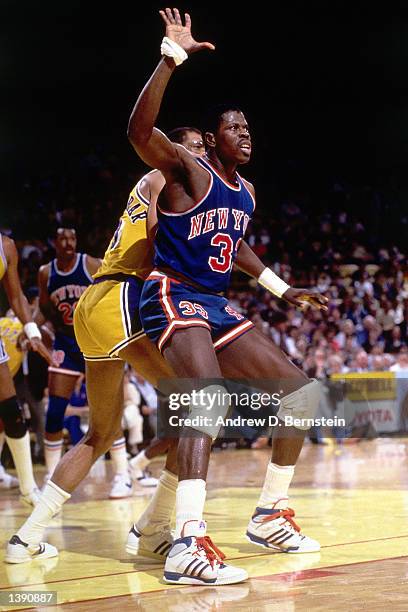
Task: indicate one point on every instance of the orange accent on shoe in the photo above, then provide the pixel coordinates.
(287, 514)
(211, 550)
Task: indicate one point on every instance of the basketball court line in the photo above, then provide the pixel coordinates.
(154, 567)
(299, 576)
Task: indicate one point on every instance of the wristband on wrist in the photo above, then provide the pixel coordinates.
(172, 49)
(31, 330)
(272, 282)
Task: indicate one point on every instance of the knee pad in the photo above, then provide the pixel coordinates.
(12, 415)
(54, 421)
(299, 408)
(209, 409)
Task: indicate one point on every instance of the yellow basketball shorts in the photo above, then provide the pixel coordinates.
(106, 318)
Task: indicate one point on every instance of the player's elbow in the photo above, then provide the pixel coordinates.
(137, 134)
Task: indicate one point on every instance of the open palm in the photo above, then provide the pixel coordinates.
(181, 34)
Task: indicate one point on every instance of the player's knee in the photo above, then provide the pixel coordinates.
(208, 409)
(54, 421)
(13, 418)
(299, 408)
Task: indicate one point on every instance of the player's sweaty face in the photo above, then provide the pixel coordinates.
(233, 138)
(65, 243)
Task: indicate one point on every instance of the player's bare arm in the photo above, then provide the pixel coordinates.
(249, 262)
(17, 300)
(175, 162)
(44, 301)
(92, 264)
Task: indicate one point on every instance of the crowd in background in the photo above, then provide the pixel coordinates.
(346, 240)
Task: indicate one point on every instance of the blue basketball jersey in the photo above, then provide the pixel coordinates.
(202, 242)
(65, 289)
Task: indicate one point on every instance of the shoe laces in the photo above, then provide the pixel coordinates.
(287, 514)
(211, 551)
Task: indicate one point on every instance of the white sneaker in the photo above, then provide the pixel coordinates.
(275, 528)
(155, 546)
(147, 480)
(20, 552)
(122, 487)
(194, 559)
(32, 498)
(7, 481)
(143, 478)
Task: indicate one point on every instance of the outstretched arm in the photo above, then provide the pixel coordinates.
(249, 262)
(150, 143)
(17, 299)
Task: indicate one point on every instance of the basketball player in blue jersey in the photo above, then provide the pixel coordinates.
(61, 283)
(203, 212)
(15, 426)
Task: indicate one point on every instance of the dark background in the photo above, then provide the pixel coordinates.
(323, 85)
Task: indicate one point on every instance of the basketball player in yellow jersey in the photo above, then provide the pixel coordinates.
(109, 333)
(15, 427)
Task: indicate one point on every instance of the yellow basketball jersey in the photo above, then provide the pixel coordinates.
(130, 251)
(3, 260)
(10, 329)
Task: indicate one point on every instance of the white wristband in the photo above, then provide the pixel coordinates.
(172, 49)
(31, 330)
(272, 282)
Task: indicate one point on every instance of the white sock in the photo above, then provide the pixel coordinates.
(158, 513)
(276, 485)
(52, 453)
(21, 453)
(50, 503)
(190, 500)
(119, 457)
(138, 464)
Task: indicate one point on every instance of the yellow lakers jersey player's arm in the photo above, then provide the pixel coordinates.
(17, 300)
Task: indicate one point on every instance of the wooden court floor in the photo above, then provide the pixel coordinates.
(353, 499)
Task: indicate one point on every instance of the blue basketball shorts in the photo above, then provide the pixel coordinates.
(67, 355)
(168, 305)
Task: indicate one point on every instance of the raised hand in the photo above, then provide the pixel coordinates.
(181, 34)
(301, 297)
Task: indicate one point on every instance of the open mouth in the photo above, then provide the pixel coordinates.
(245, 146)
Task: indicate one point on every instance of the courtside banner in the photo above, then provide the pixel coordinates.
(370, 385)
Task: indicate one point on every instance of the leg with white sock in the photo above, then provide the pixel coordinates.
(18, 440)
(122, 483)
(193, 558)
(7, 481)
(272, 524)
(151, 535)
(133, 422)
(54, 423)
(139, 463)
(105, 416)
